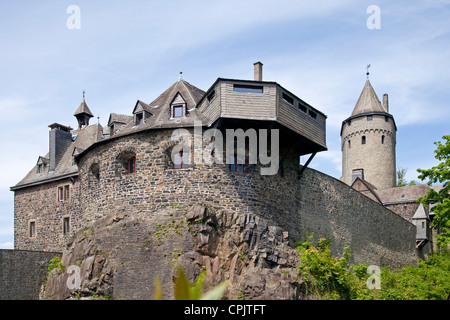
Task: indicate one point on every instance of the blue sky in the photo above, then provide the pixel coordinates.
(129, 50)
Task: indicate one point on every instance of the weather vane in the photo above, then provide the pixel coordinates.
(367, 71)
(83, 94)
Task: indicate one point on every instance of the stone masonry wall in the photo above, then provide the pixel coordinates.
(22, 273)
(40, 204)
(314, 203)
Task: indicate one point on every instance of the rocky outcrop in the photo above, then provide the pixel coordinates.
(120, 256)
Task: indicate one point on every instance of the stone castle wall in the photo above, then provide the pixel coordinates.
(40, 204)
(22, 273)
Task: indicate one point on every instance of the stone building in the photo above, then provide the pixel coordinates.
(368, 140)
(136, 165)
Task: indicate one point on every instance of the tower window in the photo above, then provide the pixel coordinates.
(66, 193)
(386, 118)
(382, 139)
(32, 229)
(236, 164)
(363, 139)
(247, 88)
(288, 99)
(131, 164)
(369, 118)
(181, 160)
(349, 144)
(66, 225)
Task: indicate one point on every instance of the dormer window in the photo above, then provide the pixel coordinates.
(139, 119)
(111, 130)
(40, 168)
(178, 107)
(178, 111)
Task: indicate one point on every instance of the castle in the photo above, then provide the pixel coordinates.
(131, 166)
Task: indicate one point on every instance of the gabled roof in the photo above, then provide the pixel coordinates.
(420, 213)
(368, 101)
(119, 118)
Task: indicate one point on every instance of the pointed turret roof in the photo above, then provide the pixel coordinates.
(83, 108)
(368, 101)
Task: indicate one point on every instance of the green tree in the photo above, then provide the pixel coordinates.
(401, 179)
(441, 199)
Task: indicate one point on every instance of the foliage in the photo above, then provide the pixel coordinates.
(441, 199)
(55, 263)
(330, 276)
(401, 179)
(333, 278)
(184, 290)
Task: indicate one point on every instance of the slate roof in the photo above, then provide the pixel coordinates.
(65, 167)
(83, 108)
(159, 109)
(368, 101)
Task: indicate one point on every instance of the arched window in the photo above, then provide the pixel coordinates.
(363, 139)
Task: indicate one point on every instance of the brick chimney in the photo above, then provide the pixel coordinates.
(258, 71)
(386, 102)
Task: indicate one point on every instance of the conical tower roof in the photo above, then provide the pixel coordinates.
(368, 101)
(83, 108)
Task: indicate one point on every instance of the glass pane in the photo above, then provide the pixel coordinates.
(177, 111)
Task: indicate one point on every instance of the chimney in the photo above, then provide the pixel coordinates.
(258, 71)
(357, 173)
(60, 138)
(386, 102)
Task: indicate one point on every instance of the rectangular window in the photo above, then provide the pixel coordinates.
(40, 168)
(386, 118)
(139, 119)
(247, 88)
(177, 111)
(363, 139)
(132, 165)
(237, 164)
(303, 108)
(111, 130)
(60, 193)
(312, 114)
(66, 193)
(32, 231)
(369, 118)
(288, 99)
(181, 160)
(211, 95)
(66, 226)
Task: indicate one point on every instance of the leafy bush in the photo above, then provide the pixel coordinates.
(333, 278)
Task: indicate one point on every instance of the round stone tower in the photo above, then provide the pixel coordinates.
(368, 139)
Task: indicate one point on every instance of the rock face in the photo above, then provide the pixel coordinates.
(120, 256)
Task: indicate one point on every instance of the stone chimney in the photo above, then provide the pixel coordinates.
(258, 71)
(386, 102)
(60, 138)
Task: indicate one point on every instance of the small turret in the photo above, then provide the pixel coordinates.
(83, 114)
